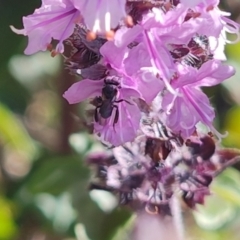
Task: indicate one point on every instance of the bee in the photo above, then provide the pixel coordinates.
(106, 103)
(199, 42)
(194, 54)
(179, 52)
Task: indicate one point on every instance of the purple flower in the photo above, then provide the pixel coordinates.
(143, 179)
(101, 16)
(138, 65)
(134, 64)
(156, 31)
(145, 87)
(206, 5)
(191, 105)
(55, 19)
(117, 116)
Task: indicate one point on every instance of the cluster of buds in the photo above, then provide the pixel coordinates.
(148, 172)
(142, 65)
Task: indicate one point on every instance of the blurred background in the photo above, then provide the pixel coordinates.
(43, 178)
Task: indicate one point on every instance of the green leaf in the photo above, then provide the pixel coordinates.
(99, 225)
(221, 207)
(56, 175)
(7, 227)
(233, 50)
(57, 209)
(232, 118)
(124, 232)
(227, 186)
(14, 134)
(215, 213)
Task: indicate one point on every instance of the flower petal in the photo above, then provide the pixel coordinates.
(113, 54)
(126, 127)
(214, 72)
(54, 19)
(101, 16)
(83, 89)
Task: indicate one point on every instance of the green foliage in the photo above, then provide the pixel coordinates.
(57, 174)
(221, 209)
(14, 134)
(7, 227)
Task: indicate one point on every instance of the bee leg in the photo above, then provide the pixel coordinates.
(123, 100)
(116, 115)
(96, 114)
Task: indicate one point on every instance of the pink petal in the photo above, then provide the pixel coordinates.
(149, 85)
(113, 54)
(101, 15)
(54, 19)
(125, 36)
(125, 129)
(214, 72)
(83, 89)
(191, 107)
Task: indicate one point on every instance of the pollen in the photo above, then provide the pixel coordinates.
(90, 36)
(129, 21)
(110, 35)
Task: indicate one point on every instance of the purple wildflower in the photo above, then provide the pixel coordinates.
(117, 117)
(145, 86)
(55, 19)
(101, 16)
(131, 64)
(191, 105)
(142, 178)
(161, 57)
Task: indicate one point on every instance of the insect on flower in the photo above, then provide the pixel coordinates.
(194, 54)
(106, 103)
